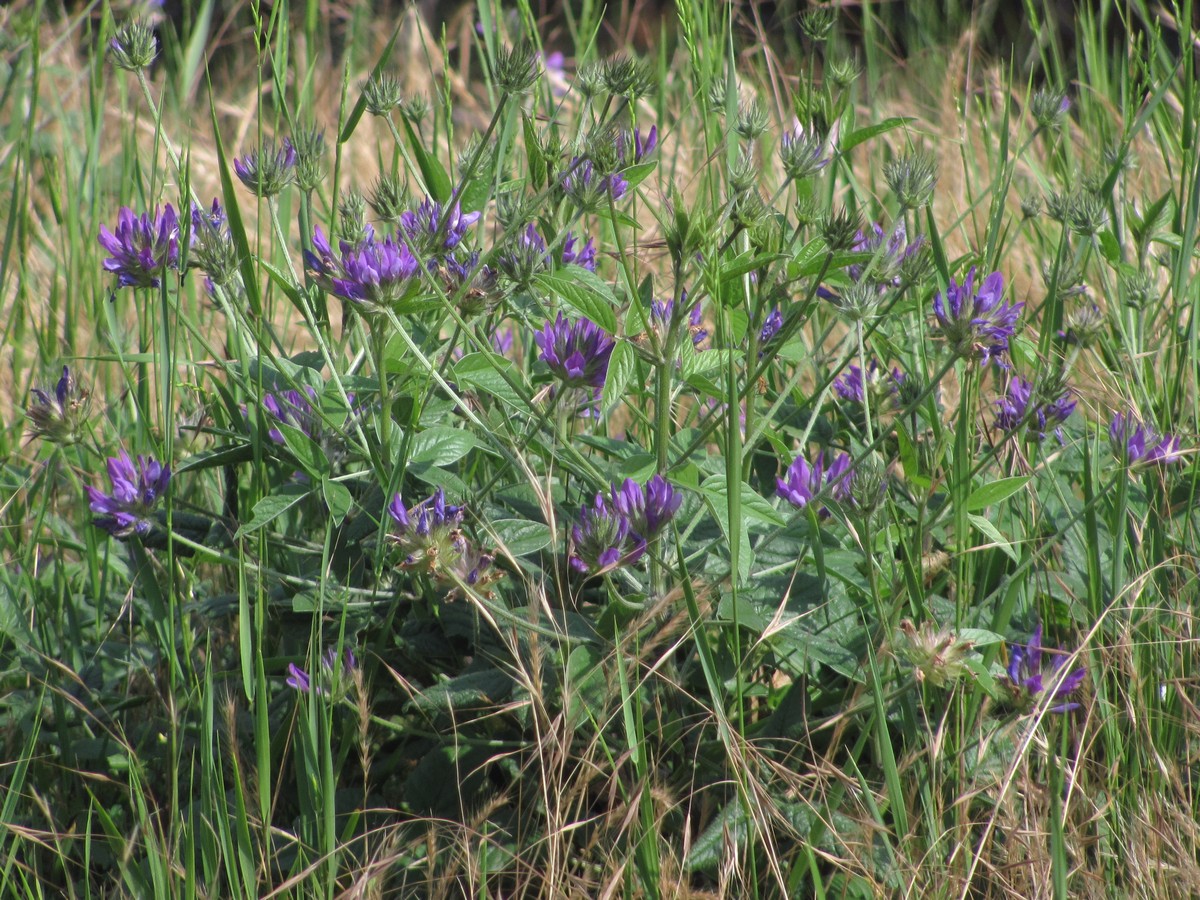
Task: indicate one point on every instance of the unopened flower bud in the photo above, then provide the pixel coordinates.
(133, 47)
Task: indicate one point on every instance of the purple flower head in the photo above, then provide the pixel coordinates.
(1029, 674)
(135, 493)
(804, 481)
(603, 538)
(803, 152)
(882, 386)
(502, 341)
(143, 247)
(585, 256)
(432, 230)
(975, 323)
(429, 533)
(589, 188)
(374, 273)
(332, 679)
(212, 247)
(554, 64)
(896, 248)
(525, 257)
(648, 509)
(1140, 445)
(576, 353)
(663, 311)
(59, 415)
(1020, 405)
(771, 326)
(295, 409)
(268, 170)
(642, 146)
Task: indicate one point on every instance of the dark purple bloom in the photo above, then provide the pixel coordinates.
(642, 146)
(771, 326)
(664, 310)
(1021, 406)
(135, 492)
(882, 385)
(804, 482)
(976, 323)
(603, 538)
(502, 341)
(374, 273)
(432, 230)
(1139, 444)
(429, 533)
(583, 183)
(648, 509)
(295, 409)
(1029, 675)
(576, 353)
(585, 256)
(331, 676)
(268, 170)
(896, 249)
(58, 416)
(298, 678)
(143, 248)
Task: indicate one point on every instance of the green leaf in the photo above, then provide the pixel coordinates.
(985, 525)
(621, 367)
(437, 182)
(854, 138)
(271, 507)
(441, 446)
(995, 492)
(522, 536)
(754, 506)
(533, 154)
(483, 372)
(304, 450)
(338, 499)
(583, 291)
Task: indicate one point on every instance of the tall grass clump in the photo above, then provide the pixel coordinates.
(501, 459)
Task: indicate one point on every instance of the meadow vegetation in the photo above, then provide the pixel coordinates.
(730, 452)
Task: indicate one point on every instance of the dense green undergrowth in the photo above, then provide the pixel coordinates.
(696, 471)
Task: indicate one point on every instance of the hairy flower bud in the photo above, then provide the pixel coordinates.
(912, 179)
(516, 68)
(389, 199)
(382, 94)
(1049, 107)
(310, 148)
(133, 47)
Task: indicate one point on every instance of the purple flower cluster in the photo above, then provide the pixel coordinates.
(374, 273)
(663, 311)
(527, 256)
(976, 323)
(301, 681)
(295, 409)
(59, 415)
(896, 249)
(642, 147)
(771, 326)
(268, 170)
(143, 247)
(433, 230)
(135, 493)
(576, 353)
(614, 532)
(587, 186)
(804, 481)
(1030, 675)
(881, 385)
(585, 256)
(430, 536)
(1020, 405)
(1139, 444)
